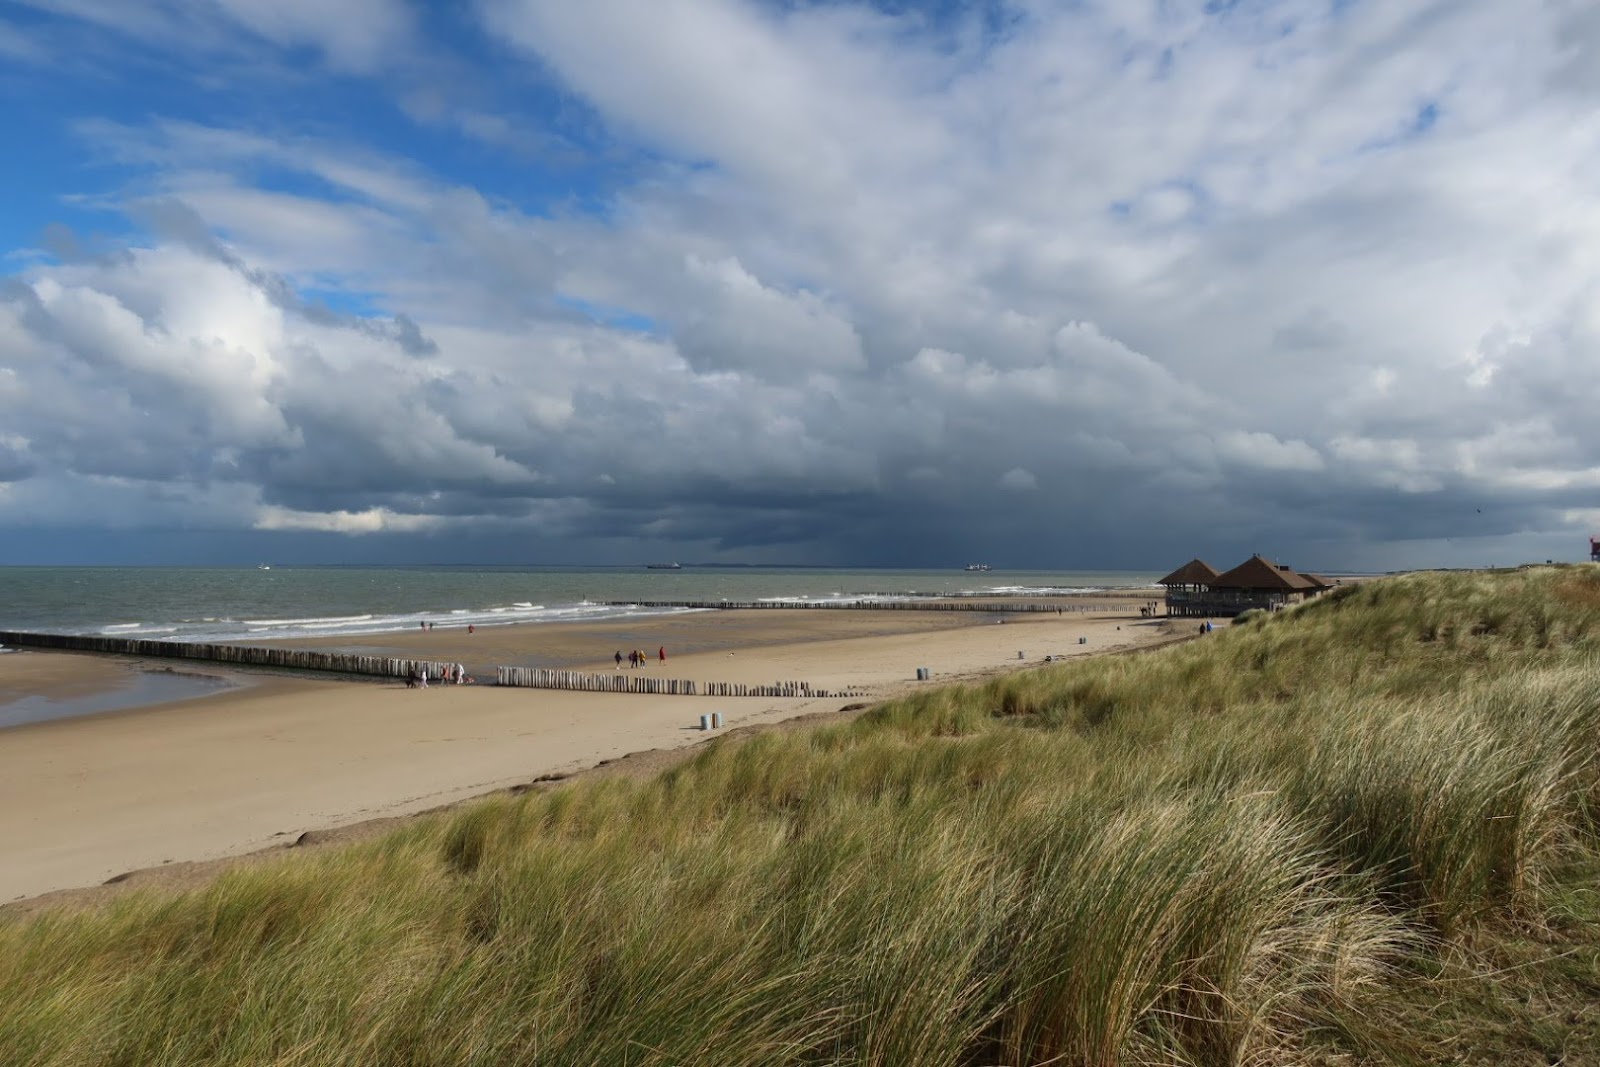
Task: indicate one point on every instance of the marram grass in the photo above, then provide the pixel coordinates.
(1317, 837)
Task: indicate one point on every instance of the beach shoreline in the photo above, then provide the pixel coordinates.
(213, 778)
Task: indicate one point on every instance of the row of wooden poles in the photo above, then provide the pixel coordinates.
(244, 655)
(551, 678)
(390, 667)
(858, 605)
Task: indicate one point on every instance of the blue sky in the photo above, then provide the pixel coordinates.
(90, 77)
(1103, 283)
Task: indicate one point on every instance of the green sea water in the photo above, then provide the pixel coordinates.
(259, 603)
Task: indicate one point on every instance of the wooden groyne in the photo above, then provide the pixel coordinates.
(1021, 608)
(390, 667)
(243, 655)
(551, 678)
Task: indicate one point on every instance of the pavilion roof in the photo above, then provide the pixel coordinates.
(1195, 572)
(1258, 573)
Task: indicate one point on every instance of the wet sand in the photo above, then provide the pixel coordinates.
(87, 799)
(57, 677)
(41, 687)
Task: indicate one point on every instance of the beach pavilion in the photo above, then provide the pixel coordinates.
(1188, 588)
(1255, 583)
(1260, 583)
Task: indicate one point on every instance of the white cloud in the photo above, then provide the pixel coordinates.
(18, 46)
(733, 320)
(353, 35)
(372, 520)
(1019, 480)
(1267, 452)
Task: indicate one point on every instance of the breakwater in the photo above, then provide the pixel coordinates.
(550, 678)
(1029, 607)
(242, 655)
(390, 667)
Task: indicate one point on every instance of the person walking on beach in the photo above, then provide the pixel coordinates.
(619, 659)
(461, 673)
(424, 683)
(662, 652)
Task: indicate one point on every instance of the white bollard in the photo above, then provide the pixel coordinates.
(705, 722)
(716, 720)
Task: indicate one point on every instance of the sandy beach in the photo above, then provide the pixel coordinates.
(89, 798)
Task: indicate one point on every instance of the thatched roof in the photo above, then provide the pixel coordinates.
(1256, 573)
(1195, 572)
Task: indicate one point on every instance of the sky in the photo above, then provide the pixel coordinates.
(1087, 284)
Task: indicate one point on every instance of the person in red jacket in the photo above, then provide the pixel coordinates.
(663, 654)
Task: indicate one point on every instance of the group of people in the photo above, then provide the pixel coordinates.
(638, 657)
(453, 673)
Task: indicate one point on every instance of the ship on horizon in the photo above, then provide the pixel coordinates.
(979, 567)
(664, 566)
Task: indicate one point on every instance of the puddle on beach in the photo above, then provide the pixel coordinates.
(140, 689)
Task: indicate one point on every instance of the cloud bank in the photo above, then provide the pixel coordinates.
(1092, 284)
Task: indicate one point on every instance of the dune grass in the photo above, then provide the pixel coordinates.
(1364, 831)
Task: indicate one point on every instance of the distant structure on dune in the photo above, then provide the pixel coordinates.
(1594, 549)
(1197, 590)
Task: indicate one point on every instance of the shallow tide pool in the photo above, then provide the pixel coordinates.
(140, 689)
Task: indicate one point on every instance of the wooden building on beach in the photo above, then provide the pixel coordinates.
(1187, 588)
(1255, 583)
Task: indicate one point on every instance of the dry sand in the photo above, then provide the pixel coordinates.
(84, 800)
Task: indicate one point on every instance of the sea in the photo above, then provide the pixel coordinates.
(266, 602)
